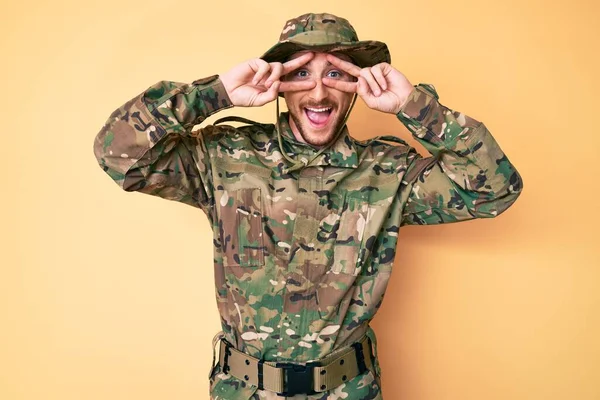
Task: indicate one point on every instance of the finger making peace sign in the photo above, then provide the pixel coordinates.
(257, 82)
(382, 87)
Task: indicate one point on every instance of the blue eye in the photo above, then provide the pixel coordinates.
(301, 73)
(334, 74)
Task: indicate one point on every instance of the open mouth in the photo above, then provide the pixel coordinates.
(318, 116)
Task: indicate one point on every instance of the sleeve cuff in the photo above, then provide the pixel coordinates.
(418, 103)
(215, 85)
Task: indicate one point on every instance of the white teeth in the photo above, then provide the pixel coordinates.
(318, 109)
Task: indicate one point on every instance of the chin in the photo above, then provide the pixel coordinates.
(318, 140)
(317, 137)
(319, 131)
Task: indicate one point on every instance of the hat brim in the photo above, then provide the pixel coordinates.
(363, 54)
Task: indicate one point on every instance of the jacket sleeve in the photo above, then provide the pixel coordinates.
(147, 145)
(467, 175)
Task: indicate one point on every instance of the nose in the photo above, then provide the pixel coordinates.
(319, 92)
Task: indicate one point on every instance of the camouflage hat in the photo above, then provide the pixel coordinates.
(326, 33)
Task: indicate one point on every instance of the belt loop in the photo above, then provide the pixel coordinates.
(360, 357)
(226, 357)
(216, 339)
(260, 374)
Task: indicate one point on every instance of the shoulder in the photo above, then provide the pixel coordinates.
(236, 136)
(384, 146)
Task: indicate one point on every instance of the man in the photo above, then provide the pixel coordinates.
(305, 218)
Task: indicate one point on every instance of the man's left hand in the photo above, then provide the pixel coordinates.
(382, 87)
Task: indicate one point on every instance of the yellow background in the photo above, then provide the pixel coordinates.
(108, 295)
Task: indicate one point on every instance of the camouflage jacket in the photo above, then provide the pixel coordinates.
(302, 258)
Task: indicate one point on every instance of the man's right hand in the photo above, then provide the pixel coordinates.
(257, 82)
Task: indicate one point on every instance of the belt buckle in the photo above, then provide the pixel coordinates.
(297, 378)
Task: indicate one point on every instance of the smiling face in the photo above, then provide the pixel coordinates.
(316, 114)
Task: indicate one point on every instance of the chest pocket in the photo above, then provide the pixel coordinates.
(240, 227)
(358, 227)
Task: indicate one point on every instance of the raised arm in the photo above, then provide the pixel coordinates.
(468, 176)
(147, 145)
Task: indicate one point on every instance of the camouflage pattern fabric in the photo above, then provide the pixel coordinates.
(302, 259)
(326, 33)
